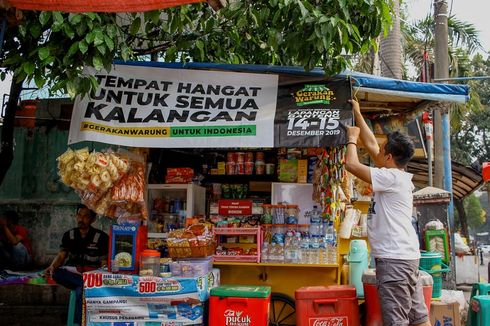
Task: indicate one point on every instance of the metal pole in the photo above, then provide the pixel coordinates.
(442, 162)
(441, 70)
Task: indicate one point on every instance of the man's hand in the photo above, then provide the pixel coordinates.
(48, 272)
(355, 106)
(353, 134)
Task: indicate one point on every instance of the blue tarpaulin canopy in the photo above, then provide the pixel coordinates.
(378, 93)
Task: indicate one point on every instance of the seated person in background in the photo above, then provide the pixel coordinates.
(84, 248)
(15, 246)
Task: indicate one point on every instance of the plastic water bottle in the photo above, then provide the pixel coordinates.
(315, 222)
(288, 247)
(297, 248)
(331, 245)
(315, 249)
(280, 253)
(305, 249)
(264, 253)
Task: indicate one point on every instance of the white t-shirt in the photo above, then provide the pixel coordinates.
(390, 230)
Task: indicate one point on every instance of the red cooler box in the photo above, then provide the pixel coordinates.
(239, 305)
(333, 305)
(373, 307)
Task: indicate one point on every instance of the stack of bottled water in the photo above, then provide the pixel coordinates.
(330, 244)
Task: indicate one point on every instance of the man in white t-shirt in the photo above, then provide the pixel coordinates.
(394, 242)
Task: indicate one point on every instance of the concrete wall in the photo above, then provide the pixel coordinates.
(32, 187)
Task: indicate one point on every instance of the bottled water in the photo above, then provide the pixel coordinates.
(264, 253)
(323, 250)
(315, 222)
(305, 249)
(331, 244)
(297, 248)
(280, 253)
(288, 247)
(315, 249)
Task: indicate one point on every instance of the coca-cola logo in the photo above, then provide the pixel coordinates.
(329, 321)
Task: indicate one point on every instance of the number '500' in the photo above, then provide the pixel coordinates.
(145, 287)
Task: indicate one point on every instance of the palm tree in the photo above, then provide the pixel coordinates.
(390, 53)
(419, 41)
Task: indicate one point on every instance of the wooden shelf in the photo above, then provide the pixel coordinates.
(239, 178)
(275, 264)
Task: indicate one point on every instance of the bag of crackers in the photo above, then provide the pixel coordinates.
(109, 183)
(196, 241)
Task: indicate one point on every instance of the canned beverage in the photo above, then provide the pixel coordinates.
(230, 157)
(240, 157)
(230, 168)
(249, 157)
(240, 168)
(249, 167)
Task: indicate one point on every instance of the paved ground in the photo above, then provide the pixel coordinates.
(33, 305)
(48, 305)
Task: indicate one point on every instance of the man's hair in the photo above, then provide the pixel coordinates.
(11, 216)
(91, 212)
(401, 147)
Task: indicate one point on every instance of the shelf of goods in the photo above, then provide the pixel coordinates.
(225, 231)
(169, 204)
(280, 276)
(344, 244)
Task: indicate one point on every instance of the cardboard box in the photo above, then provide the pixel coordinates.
(260, 186)
(444, 314)
(302, 171)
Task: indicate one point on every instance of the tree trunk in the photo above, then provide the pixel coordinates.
(7, 145)
(462, 218)
(391, 47)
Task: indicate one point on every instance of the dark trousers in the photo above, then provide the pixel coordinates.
(71, 281)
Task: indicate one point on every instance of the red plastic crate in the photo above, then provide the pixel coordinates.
(327, 305)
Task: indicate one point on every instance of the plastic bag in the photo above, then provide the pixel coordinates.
(109, 183)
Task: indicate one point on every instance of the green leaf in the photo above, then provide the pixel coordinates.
(98, 63)
(91, 15)
(111, 30)
(44, 17)
(29, 67)
(35, 30)
(99, 37)
(58, 17)
(90, 37)
(73, 49)
(43, 53)
(304, 11)
(83, 46)
(22, 30)
(155, 16)
(71, 88)
(74, 19)
(135, 26)
(39, 81)
(200, 46)
(102, 49)
(109, 43)
(68, 31)
(3, 74)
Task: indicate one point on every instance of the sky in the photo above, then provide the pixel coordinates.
(471, 11)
